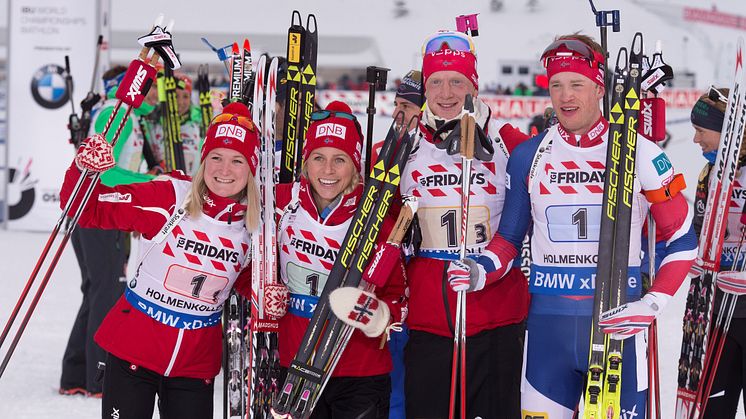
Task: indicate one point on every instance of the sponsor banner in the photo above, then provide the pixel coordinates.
(41, 34)
(714, 17)
(574, 281)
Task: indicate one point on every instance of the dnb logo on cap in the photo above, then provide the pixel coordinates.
(48, 87)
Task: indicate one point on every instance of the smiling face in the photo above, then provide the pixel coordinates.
(445, 92)
(330, 171)
(226, 172)
(575, 99)
(706, 138)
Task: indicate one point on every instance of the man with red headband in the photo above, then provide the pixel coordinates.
(495, 314)
(555, 185)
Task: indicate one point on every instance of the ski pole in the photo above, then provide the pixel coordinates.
(458, 364)
(654, 399)
(602, 22)
(376, 79)
(135, 84)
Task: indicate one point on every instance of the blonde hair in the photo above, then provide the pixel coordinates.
(195, 200)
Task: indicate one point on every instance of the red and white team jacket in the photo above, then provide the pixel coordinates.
(168, 319)
(308, 247)
(434, 177)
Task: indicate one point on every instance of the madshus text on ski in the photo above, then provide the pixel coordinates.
(332, 274)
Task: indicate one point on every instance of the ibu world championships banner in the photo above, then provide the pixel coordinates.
(41, 33)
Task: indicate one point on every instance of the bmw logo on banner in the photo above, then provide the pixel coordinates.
(48, 87)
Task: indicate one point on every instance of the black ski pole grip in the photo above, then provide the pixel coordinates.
(376, 79)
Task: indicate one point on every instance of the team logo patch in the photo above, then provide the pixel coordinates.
(363, 310)
(662, 164)
(231, 131)
(115, 197)
(48, 87)
(331, 129)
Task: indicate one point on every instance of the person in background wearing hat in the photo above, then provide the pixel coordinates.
(409, 97)
(190, 120)
(707, 118)
(163, 335)
(102, 253)
(565, 211)
(495, 313)
(315, 214)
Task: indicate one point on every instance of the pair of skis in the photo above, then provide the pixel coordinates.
(301, 93)
(235, 314)
(602, 394)
(205, 100)
(264, 356)
(324, 339)
(252, 358)
(173, 145)
(704, 333)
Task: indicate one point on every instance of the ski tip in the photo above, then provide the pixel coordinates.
(246, 44)
(159, 19)
(292, 19)
(309, 19)
(235, 48)
(170, 26)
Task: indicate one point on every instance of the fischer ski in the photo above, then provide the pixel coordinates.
(173, 151)
(602, 394)
(205, 100)
(301, 92)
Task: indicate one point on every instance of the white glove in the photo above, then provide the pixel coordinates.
(95, 154)
(635, 317)
(361, 310)
(466, 275)
(275, 300)
(732, 282)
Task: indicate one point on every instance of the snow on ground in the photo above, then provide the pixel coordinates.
(28, 388)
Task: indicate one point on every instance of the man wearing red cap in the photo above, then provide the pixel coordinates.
(316, 213)
(495, 314)
(556, 185)
(163, 336)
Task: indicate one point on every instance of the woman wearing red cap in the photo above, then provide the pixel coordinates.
(163, 336)
(316, 212)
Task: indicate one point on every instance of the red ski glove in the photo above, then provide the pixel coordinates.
(383, 263)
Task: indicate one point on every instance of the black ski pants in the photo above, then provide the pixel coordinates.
(352, 397)
(101, 256)
(730, 376)
(493, 374)
(130, 390)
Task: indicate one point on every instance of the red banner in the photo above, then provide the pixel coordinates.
(715, 18)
